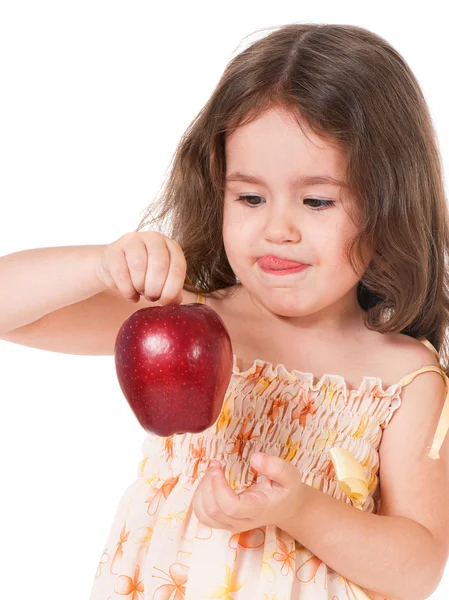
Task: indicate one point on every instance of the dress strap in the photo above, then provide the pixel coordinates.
(201, 298)
(443, 423)
(426, 342)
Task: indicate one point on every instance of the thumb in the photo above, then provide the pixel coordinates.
(274, 467)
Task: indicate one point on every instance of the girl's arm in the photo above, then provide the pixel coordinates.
(53, 299)
(392, 556)
(42, 280)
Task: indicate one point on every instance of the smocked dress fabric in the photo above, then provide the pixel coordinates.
(158, 550)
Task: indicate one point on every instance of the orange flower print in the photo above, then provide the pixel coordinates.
(253, 538)
(103, 561)
(159, 492)
(198, 454)
(249, 540)
(233, 581)
(124, 586)
(286, 557)
(244, 435)
(119, 550)
(168, 447)
(328, 470)
(277, 403)
(307, 409)
(254, 477)
(307, 571)
(276, 406)
(175, 588)
(250, 377)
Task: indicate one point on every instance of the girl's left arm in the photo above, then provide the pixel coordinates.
(393, 556)
(402, 551)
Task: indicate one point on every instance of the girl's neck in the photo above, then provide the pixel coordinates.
(343, 317)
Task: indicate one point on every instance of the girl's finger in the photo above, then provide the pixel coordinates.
(210, 502)
(202, 512)
(239, 508)
(197, 505)
(137, 261)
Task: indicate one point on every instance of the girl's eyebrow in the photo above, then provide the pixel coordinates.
(300, 181)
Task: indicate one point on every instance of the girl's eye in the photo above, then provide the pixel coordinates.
(322, 204)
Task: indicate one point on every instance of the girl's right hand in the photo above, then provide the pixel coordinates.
(145, 263)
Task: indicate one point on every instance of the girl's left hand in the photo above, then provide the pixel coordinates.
(277, 497)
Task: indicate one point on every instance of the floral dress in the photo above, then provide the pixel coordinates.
(158, 550)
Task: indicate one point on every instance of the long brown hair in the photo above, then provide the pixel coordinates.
(354, 90)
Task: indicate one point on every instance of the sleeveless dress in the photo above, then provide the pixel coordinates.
(158, 550)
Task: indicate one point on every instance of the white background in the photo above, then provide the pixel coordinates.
(94, 98)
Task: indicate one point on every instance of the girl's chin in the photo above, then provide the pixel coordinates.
(283, 307)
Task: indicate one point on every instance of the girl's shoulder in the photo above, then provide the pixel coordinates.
(407, 354)
(394, 357)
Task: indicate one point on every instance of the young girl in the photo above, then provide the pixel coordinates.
(318, 479)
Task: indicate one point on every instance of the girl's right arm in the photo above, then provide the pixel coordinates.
(74, 299)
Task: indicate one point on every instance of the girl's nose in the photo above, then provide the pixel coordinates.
(281, 227)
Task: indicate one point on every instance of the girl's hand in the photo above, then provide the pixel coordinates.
(277, 497)
(145, 263)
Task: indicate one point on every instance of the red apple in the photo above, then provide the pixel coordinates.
(174, 364)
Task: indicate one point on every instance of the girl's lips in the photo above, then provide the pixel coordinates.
(273, 263)
(297, 269)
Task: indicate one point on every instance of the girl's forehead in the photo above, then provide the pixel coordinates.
(278, 134)
(247, 163)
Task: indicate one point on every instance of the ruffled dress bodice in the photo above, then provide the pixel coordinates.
(272, 410)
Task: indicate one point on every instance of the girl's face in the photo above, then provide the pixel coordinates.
(304, 221)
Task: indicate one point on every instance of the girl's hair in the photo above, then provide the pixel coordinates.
(354, 90)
